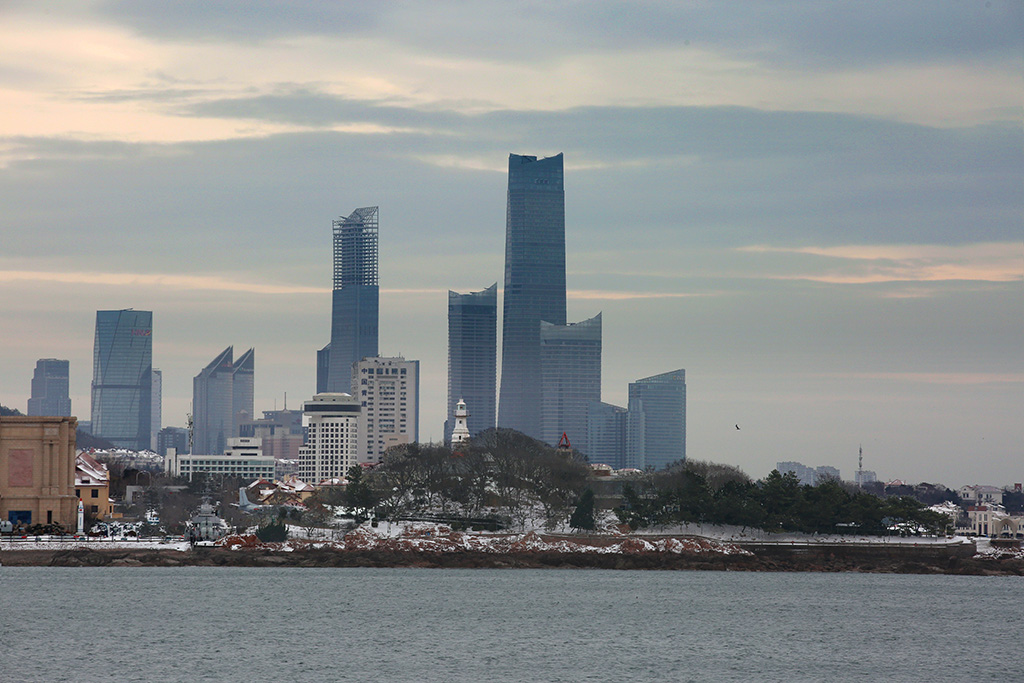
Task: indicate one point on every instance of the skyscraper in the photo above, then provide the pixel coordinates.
(332, 437)
(534, 283)
(213, 405)
(570, 361)
(388, 390)
(472, 357)
(242, 376)
(355, 300)
(50, 389)
(222, 399)
(156, 409)
(606, 434)
(122, 378)
(656, 424)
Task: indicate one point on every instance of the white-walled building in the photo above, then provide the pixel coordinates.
(980, 495)
(332, 436)
(243, 458)
(388, 390)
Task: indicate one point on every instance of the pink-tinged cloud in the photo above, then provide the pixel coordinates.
(957, 378)
(606, 295)
(181, 282)
(866, 264)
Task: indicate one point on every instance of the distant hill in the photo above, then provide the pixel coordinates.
(8, 412)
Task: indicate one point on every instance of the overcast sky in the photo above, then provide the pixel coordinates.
(815, 208)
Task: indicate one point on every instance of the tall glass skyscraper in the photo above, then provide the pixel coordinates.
(121, 377)
(221, 399)
(472, 358)
(356, 297)
(534, 283)
(656, 424)
(570, 361)
(50, 388)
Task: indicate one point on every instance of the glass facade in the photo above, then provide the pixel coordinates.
(473, 358)
(212, 405)
(534, 283)
(657, 420)
(50, 389)
(242, 377)
(356, 298)
(121, 378)
(570, 361)
(606, 434)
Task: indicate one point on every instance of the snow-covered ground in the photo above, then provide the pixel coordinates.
(93, 544)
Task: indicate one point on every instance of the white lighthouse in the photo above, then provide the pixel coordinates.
(460, 434)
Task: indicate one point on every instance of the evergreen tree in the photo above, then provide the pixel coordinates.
(583, 516)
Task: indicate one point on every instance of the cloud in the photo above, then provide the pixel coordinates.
(157, 280)
(945, 378)
(862, 264)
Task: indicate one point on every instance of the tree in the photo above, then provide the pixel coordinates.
(360, 498)
(274, 531)
(583, 516)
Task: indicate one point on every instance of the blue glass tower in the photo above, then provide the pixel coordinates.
(570, 361)
(534, 283)
(473, 358)
(122, 378)
(356, 298)
(656, 429)
(50, 388)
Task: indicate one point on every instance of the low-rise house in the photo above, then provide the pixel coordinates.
(92, 485)
(981, 495)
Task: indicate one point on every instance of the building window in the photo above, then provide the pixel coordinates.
(95, 494)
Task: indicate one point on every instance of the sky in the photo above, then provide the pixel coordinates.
(814, 208)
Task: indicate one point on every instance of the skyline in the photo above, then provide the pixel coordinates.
(816, 211)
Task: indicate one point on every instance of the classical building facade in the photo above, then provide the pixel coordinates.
(472, 358)
(534, 283)
(355, 301)
(37, 471)
(122, 383)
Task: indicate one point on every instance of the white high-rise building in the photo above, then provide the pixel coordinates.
(332, 430)
(388, 390)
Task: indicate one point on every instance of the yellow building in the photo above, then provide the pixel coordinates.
(37, 470)
(92, 485)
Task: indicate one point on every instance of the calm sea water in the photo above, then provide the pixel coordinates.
(220, 624)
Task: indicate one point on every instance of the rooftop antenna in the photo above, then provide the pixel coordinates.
(286, 400)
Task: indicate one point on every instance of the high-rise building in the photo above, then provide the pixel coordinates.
(388, 390)
(472, 358)
(242, 391)
(212, 405)
(323, 368)
(656, 423)
(332, 428)
(156, 409)
(172, 437)
(355, 299)
(570, 362)
(122, 380)
(606, 434)
(50, 389)
(534, 283)
(221, 401)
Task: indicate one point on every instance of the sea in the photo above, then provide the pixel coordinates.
(303, 624)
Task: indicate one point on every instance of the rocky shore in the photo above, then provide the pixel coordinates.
(907, 560)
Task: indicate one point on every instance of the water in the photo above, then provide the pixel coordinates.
(290, 624)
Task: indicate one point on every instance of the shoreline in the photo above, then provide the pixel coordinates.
(903, 560)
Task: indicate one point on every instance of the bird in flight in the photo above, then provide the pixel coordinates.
(737, 426)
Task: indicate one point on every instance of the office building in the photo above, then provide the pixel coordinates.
(122, 383)
(355, 299)
(332, 431)
(570, 362)
(534, 283)
(606, 434)
(156, 408)
(172, 437)
(323, 368)
(656, 423)
(280, 431)
(222, 398)
(472, 358)
(37, 471)
(388, 392)
(243, 458)
(50, 389)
